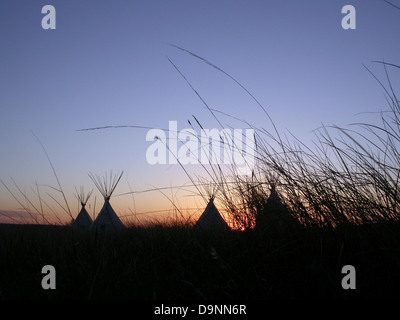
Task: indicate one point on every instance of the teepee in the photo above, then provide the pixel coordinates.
(83, 220)
(107, 218)
(211, 219)
(275, 215)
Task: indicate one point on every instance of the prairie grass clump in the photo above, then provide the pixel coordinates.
(352, 178)
(349, 175)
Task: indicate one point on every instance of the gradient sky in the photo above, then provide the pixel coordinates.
(106, 64)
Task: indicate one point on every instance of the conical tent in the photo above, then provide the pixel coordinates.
(275, 215)
(211, 218)
(107, 216)
(83, 220)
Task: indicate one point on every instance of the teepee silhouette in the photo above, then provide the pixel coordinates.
(275, 215)
(211, 219)
(83, 220)
(107, 218)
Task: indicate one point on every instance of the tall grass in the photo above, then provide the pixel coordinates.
(39, 209)
(348, 175)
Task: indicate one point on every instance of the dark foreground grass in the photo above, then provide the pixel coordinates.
(179, 263)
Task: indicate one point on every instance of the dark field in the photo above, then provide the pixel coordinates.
(179, 263)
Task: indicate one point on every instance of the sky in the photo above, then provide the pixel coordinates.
(109, 63)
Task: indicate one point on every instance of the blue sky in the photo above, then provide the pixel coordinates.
(106, 64)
